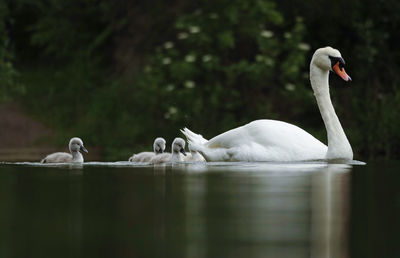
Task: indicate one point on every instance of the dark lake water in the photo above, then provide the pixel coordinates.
(200, 210)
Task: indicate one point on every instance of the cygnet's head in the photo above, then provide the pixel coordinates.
(76, 144)
(330, 59)
(159, 145)
(178, 145)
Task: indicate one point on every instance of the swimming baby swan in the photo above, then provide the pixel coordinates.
(178, 148)
(75, 145)
(193, 156)
(158, 147)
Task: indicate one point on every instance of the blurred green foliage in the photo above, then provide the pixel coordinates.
(223, 64)
(9, 84)
(119, 74)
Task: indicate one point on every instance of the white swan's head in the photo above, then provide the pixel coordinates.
(159, 145)
(330, 59)
(178, 145)
(76, 144)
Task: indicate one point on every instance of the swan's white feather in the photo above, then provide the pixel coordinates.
(161, 158)
(145, 156)
(57, 157)
(193, 156)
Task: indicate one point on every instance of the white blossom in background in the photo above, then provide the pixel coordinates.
(287, 35)
(190, 58)
(267, 34)
(259, 58)
(198, 12)
(269, 61)
(166, 61)
(182, 35)
(290, 87)
(206, 58)
(214, 16)
(304, 46)
(171, 111)
(168, 45)
(170, 87)
(194, 29)
(189, 84)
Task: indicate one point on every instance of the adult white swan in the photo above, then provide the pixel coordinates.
(271, 140)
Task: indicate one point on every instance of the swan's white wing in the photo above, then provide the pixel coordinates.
(142, 157)
(193, 137)
(268, 140)
(161, 158)
(57, 157)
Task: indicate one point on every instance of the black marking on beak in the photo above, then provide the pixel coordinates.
(334, 60)
(82, 148)
(183, 151)
(160, 150)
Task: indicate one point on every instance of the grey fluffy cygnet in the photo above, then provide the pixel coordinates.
(193, 156)
(178, 148)
(158, 147)
(75, 145)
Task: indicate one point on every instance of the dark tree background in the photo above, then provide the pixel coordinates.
(120, 73)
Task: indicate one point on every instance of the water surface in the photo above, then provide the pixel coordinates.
(118, 209)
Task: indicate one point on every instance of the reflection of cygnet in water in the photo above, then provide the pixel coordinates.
(75, 145)
(158, 147)
(178, 148)
(193, 156)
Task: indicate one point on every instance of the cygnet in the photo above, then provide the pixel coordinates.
(178, 148)
(75, 145)
(146, 156)
(193, 156)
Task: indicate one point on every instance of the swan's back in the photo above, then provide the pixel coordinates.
(193, 157)
(161, 158)
(58, 157)
(269, 140)
(142, 157)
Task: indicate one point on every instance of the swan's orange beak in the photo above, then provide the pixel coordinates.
(341, 72)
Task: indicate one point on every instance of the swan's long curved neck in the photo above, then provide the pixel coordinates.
(338, 145)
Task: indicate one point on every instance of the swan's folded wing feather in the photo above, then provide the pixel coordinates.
(57, 157)
(269, 136)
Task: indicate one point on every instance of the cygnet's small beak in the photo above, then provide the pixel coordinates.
(82, 148)
(183, 151)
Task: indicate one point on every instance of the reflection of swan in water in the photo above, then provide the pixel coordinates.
(296, 209)
(271, 140)
(330, 212)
